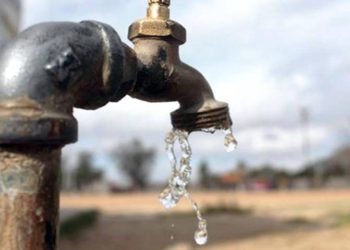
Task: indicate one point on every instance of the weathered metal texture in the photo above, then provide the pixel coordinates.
(29, 197)
(218, 118)
(51, 68)
(163, 77)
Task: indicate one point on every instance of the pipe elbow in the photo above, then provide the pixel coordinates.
(194, 93)
(51, 68)
(198, 107)
(163, 77)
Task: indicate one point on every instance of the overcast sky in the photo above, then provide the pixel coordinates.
(266, 58)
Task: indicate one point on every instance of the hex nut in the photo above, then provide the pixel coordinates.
(157, 28)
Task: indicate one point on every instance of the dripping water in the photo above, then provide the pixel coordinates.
(181, 175)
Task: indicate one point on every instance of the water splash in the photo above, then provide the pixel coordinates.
(230, 141)
(181, 175)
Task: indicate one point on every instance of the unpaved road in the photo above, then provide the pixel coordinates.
(281, 221)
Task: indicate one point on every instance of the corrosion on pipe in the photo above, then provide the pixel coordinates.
(29, 197)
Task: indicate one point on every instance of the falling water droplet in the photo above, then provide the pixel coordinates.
(230, 141)
(172, 237)
(201, 235)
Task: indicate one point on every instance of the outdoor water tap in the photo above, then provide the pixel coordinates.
(163, 77)
(52, 67)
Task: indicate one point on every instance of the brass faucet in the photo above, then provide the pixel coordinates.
(162, 77)
(52, 67)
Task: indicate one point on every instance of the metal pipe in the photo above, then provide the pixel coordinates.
(29, 199)
(45, 72)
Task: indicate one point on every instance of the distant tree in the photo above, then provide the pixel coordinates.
(85, 173)
(266, 171)
(307, 172)
(136, 162)
(335, 170)
(204, 175)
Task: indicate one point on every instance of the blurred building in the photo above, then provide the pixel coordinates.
(232, 180)
(10, 11)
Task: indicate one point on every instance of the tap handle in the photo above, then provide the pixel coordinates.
(162, 2)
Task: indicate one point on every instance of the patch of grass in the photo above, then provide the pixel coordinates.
(224, 208)
(343, 220)
(221, 208)
(298, 221)
(74, 225)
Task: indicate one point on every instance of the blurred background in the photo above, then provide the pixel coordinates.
(283, 66)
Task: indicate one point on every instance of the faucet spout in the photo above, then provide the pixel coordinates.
(198, 107)
(163, 77)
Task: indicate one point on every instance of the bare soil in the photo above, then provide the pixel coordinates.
(281, 221)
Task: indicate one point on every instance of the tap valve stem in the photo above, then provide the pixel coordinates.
(158, 9)
(163, 2)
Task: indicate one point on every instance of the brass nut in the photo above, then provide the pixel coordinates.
(157, 28)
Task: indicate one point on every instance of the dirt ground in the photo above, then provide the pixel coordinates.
(281, 221)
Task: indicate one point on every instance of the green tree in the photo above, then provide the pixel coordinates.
(85, 173)
(136, 162)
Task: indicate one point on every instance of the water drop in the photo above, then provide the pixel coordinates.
(201, 236)
(172, 237)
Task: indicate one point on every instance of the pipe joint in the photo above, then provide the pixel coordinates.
(51, 68)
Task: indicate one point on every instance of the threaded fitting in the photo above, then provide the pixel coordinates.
(163, 2)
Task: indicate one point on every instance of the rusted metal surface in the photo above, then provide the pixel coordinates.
(29, 197)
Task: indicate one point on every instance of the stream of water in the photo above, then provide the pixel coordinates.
(182, 172)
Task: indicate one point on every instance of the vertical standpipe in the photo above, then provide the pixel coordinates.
(82, 65)
(29, 197)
